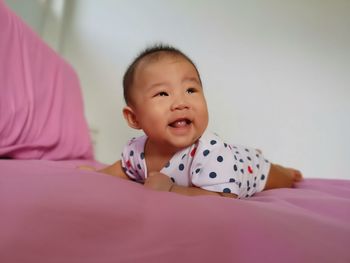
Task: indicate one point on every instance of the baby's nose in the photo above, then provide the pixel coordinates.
(180, 104)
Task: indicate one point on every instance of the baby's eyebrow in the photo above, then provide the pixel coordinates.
(193, 79)
(167, 84)
(157, 84)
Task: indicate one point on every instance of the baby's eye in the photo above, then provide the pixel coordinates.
(191, 90)
(162, 94)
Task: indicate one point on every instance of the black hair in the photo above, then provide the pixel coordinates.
(152, 52)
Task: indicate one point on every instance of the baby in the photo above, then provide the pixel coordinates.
(164, 97)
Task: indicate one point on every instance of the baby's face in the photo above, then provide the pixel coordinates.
(169, 102)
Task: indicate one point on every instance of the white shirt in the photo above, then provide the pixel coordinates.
(209, 163)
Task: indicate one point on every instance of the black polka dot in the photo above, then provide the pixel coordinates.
(167, 165)
(235, 168)
(247, 183)
(212, 142)
(131, 153)
(220, 159)
(262, 177)
(139, 166)
(225, 144)
(212, 175)
(227, 190)
(142, 155)
(235, 157)
(255, 178)
(172, 179)
(241, 160)
(181, 167)
(258, 166)
(249, 158)
(206, 152)
(198, 170)
(257, 155)
(183, 156)
(254, 185)
(240, 184)
(242, 171)
(246, 150)
(232, 180)
(248, 188)
(246, 195)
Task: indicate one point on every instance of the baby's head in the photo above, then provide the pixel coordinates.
(151, 54)
(164, 97)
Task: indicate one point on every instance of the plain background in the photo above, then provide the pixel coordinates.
(276, 73)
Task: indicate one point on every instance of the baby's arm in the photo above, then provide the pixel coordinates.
(115, 170)
(160, 182)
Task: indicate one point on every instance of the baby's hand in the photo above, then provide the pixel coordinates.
(295, 174)
(158, 181)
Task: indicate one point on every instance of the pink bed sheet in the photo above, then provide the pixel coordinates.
(53, 212)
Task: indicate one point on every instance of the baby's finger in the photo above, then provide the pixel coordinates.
(297, 175)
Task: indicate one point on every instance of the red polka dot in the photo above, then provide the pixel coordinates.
(128, 164)
(250, 169)
(193, 152)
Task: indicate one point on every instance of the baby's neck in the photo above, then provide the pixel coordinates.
(157, 156)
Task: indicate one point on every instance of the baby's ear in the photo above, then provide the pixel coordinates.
(130, 118)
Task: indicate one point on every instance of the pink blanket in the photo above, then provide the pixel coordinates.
(52, 212)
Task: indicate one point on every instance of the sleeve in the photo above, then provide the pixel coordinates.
(253, 167)
(213, 167)
(226, 168)
(132, 159)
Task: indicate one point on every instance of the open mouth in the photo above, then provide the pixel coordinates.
(180, 123)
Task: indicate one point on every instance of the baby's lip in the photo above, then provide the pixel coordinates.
(181, 122)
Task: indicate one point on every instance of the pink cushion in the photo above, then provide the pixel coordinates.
(41, 108)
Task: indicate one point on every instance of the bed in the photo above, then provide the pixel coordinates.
(53, 212)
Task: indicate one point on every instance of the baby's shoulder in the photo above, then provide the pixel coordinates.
(210, 143)
(135, 145)
(212, 140)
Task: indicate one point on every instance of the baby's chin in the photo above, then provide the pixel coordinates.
(181, 143)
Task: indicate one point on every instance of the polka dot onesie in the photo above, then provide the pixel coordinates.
(209, 163)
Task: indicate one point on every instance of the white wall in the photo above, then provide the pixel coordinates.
(45, 17)
(31, 11)
(276, 73)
